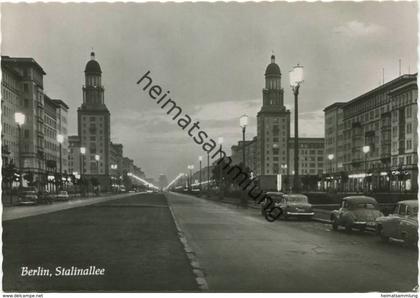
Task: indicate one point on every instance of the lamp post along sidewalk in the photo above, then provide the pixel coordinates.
(243, 122)
(97, 158)
(190, 178)
(82, 169)
(208, 174)
(220, 141)
(330, 158)
(200, 159)
(365, 150)
(296, 79)
(60, 140)
(20, 120)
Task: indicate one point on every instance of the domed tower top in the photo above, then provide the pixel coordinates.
(93, 91)
(273, 69)
(273, 75)
(93, 67)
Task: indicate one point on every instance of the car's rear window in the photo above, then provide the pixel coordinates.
(297, 199)
(362, 206)
(276, 197)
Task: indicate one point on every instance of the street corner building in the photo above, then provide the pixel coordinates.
(31, 123)
(371, 141)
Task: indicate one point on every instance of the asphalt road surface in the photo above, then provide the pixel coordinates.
(240, 251)
(136, 240)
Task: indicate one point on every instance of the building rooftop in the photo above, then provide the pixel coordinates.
(59, 102)
(335, 105)
(388, 85)
(22, 60)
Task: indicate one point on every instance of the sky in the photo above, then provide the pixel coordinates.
(212, 58)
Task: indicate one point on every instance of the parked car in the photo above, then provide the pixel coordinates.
(291, 205)
(295, 205)
(358, 212)
(402, 224)
(62, 196)
(27, 197)
(45, 197)
(275, 196)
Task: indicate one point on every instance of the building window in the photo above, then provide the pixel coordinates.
(401, 160)
(409, 128)
(409, 144)
(408, 112)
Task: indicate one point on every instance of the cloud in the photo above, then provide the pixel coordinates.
(357, 29)
(311, 124)
(227, 110)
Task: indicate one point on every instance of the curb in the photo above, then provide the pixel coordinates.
(195, 265)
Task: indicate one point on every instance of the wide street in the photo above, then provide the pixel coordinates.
(136, 239)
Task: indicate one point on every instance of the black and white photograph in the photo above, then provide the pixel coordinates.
(209, 147)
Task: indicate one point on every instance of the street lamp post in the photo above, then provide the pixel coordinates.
(366, 150)
(190, 168)
(82, 153)
(114, 167)
(200, 159)
(97, 158)
(330, 158)
(60, 140)
(82, 157)
(220, 141)
(284, 168)
(208, 173)
(20, 120)
(243, 122)
(296, 79)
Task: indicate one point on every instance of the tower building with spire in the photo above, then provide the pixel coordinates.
(273, 126)
(94, 125)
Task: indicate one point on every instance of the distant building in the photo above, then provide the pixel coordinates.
(94, 124)
(163, 181)
(334, 139)
(250, 153)
(115, 159)
(311, 156)
(74, 156)
(51, 154)
(273, 126)
(54, 113)
(127, 165)
(61, 119)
